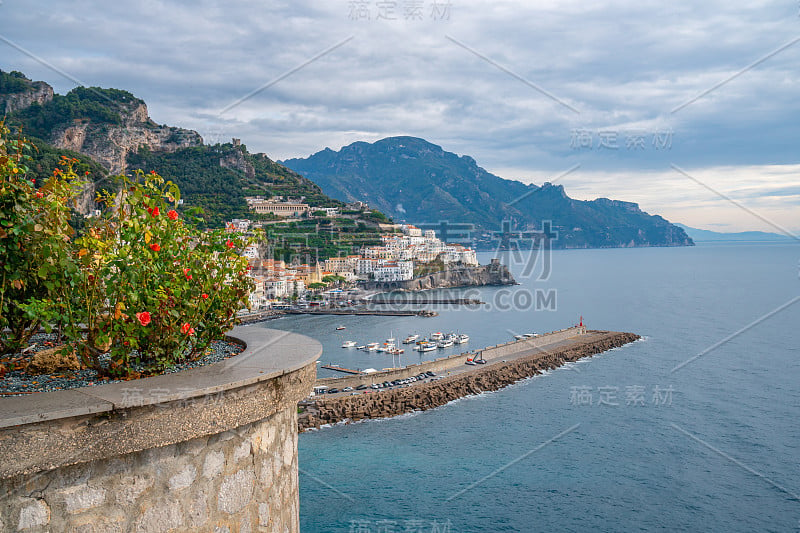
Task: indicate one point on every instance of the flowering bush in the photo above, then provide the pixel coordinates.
(153, 290)
(141, 290)
(36, 267)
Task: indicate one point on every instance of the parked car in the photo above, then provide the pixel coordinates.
(430, 374)
(333, 391)
(361, 387)
(347, 389)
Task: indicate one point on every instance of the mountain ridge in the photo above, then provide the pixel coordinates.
(412, 179)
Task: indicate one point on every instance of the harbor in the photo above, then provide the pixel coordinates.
(433, 383)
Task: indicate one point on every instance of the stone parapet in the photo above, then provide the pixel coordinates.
(201, 450)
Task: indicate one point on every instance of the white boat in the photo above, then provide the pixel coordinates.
(348, 344)
(461, 339)
(426, 347)
(519, 337)
(371, 347)
(437, 336)
(387, 346)
(446, 343)
(339, 328)
(410, 339)
(530, 335)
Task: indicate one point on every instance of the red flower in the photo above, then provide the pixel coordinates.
(172, 214)
(191, 331)
(187, 329)
(186, 273)
(39, 194)
(204, 296)
(155, 247)
(154, 212)
(87, 172)
(153, 172)
(143, 317)
(229, 244)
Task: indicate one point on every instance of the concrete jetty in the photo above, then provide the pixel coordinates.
(506, 364)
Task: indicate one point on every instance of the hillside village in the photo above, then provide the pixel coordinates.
(394, 260)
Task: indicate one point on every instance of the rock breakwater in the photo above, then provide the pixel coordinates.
(424, 396)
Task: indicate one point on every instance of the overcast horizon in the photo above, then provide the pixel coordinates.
(644, 102)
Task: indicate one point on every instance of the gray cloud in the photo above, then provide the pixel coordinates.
(623, 64)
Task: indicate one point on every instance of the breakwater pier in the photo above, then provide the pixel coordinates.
(506, 364)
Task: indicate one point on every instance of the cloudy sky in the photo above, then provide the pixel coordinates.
(687, 109)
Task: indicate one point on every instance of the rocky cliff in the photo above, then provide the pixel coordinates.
(110, 145)
(492, 274)
(36, 92)
(104, 124)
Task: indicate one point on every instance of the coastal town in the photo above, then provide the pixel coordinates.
(403, 251)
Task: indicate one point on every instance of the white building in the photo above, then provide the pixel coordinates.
(365, 267)
(329, 211)
(251, 252)
(394, 271)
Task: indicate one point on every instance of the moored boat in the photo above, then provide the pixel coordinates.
(348, 344)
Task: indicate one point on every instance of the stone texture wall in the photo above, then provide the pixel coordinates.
(211, 449)
(237, 481)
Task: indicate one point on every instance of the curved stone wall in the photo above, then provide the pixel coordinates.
(208, 449)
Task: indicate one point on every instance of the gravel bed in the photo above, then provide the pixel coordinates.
(19, 383)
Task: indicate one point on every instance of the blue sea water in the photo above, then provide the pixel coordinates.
(617, 442)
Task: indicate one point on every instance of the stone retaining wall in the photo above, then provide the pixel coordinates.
(215, 450)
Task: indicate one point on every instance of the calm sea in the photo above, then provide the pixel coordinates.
(619, 442)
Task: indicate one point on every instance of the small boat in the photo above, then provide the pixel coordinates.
(437, 336)
(361, 347)
(348, 344)
(519, 337)
(396, 351)
(423, 341)
(340, 328)
(446, 343)
(410, 339)
(387, 346)
(426, 347)
(461, 339)
(530, 335)
(371, 347)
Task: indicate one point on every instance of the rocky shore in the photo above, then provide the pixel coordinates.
(433, 394)
(491, 274)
